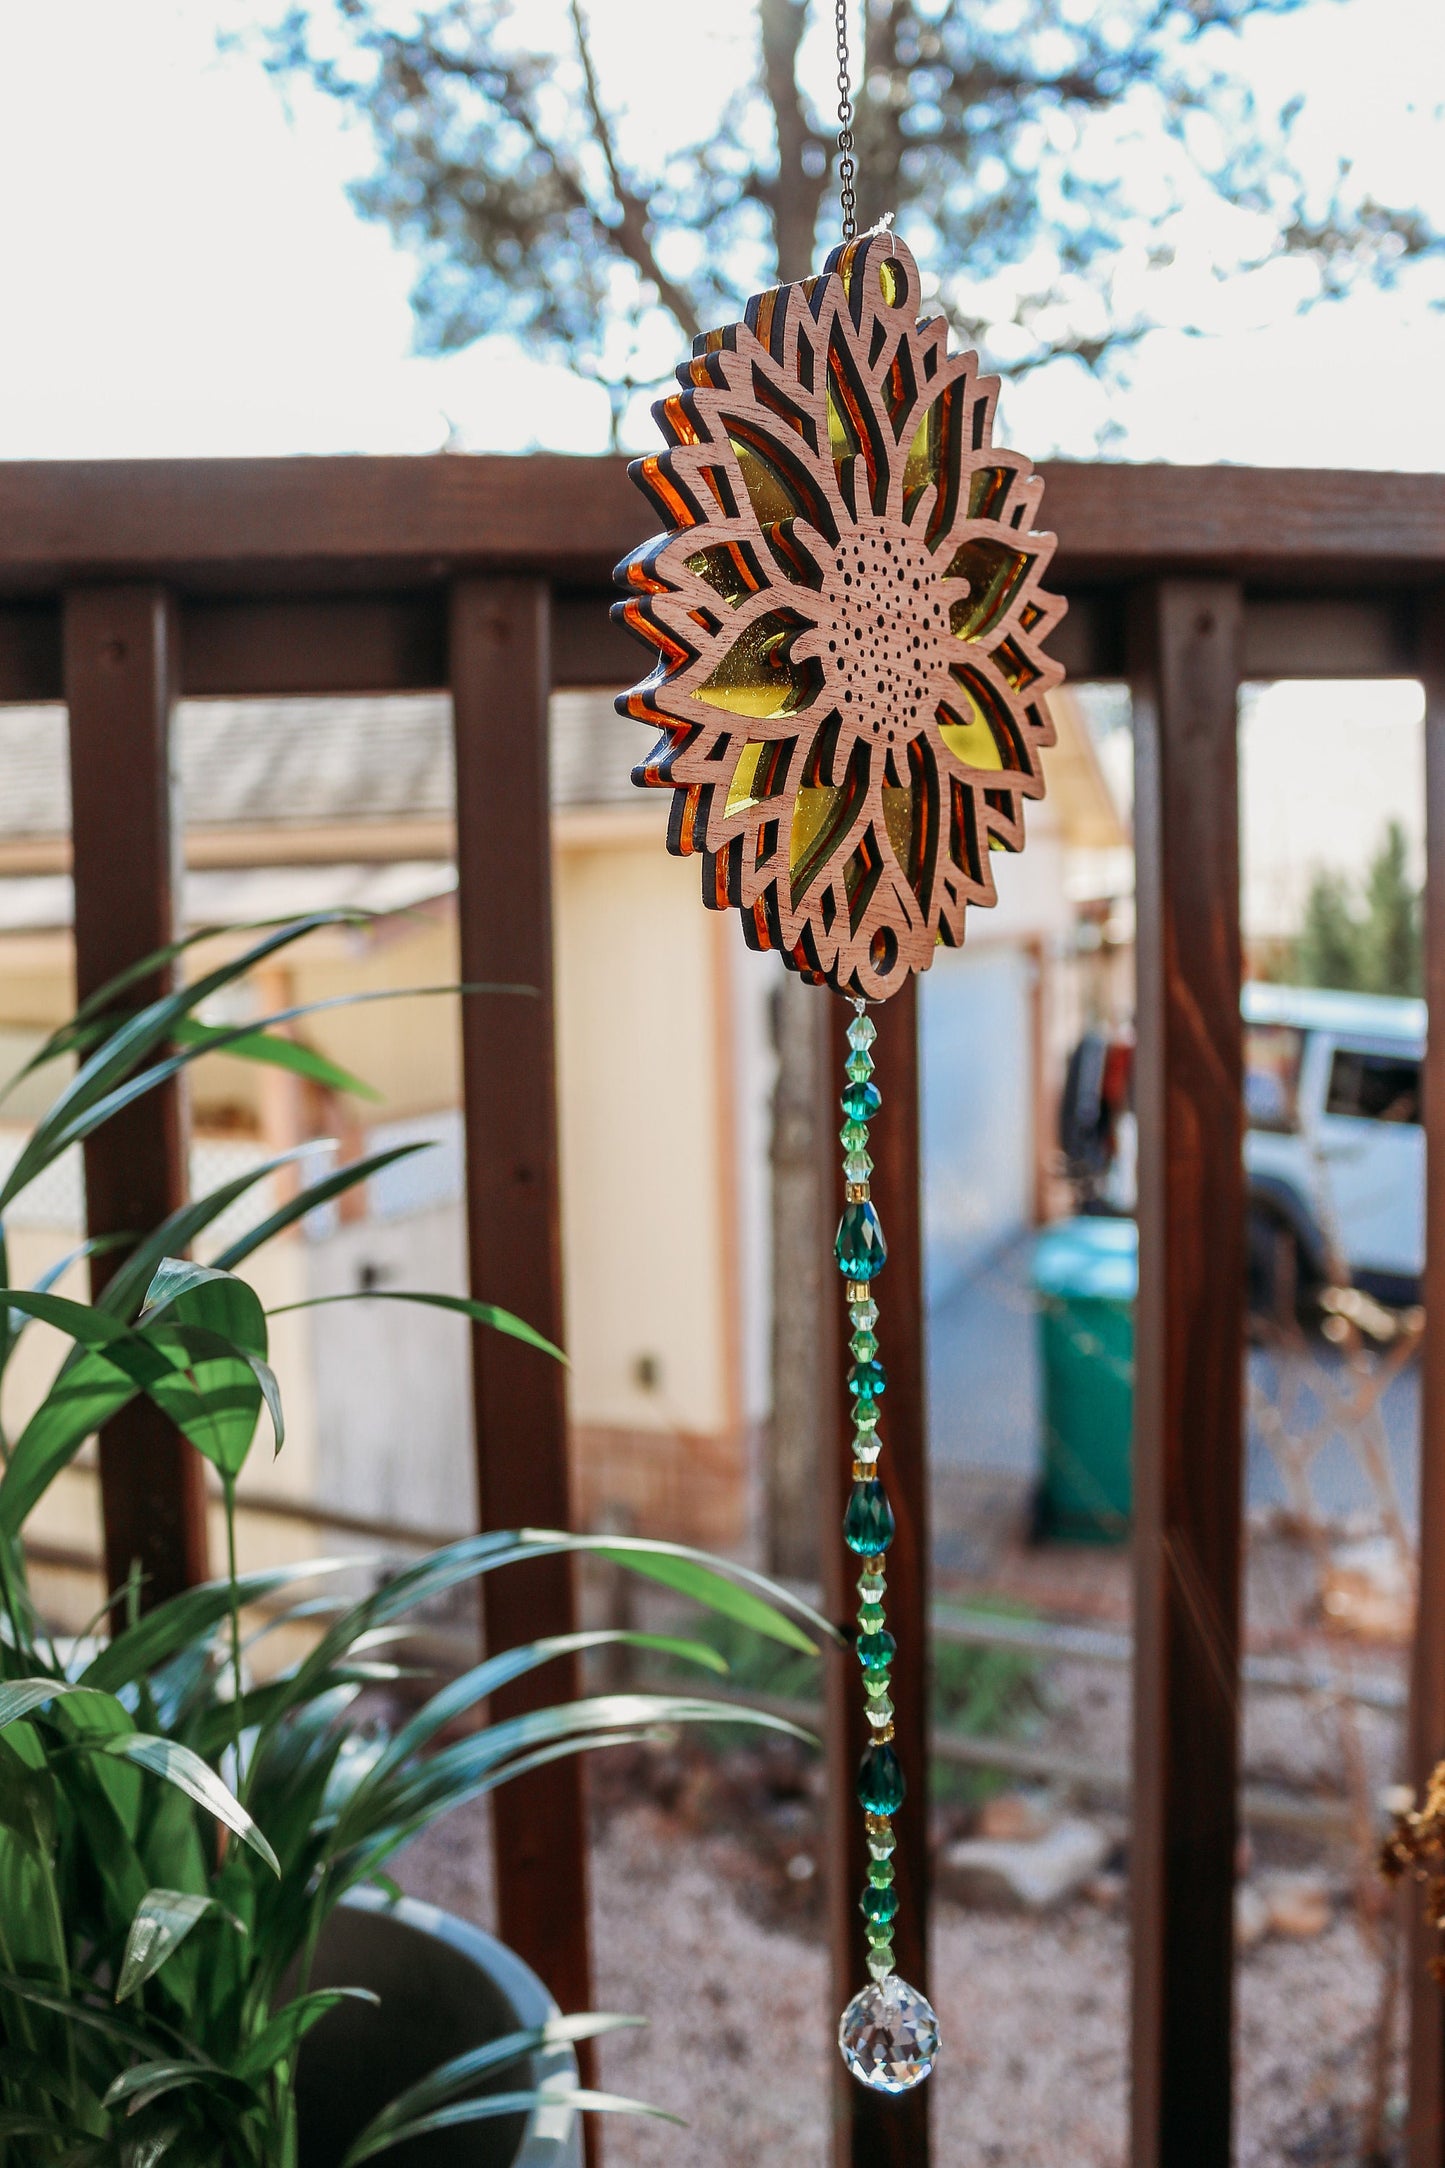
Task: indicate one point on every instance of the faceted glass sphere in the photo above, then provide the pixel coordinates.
(889, 2036)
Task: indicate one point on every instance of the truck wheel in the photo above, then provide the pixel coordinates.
(1278, 1290)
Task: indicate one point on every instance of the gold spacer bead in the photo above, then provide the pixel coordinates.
(881, 1738)
(856, 1192)
(864, 1470)
(859, 1291)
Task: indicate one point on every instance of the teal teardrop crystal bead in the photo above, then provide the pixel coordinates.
(876, 1651)
(868, 1523)
(867, 1379)
(881, 1788)
(880, 1904)
(861, 1099)
(860, 1248)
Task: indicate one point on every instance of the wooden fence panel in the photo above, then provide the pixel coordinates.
(121, 671)
(500, 676)
(1426, 2140)
(1184, 642)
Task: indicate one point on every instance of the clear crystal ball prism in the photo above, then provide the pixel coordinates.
(889, 2036)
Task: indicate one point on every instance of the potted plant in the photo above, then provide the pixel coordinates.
(201, 1956)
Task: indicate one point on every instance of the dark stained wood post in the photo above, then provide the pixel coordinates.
(869, 2129)
(120, 664)
(1426, 2130)
(1183, 655)
(501, 678)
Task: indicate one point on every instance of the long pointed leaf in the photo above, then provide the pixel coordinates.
(482, 1313)
(161, 1924)
(125, 1289)
(463, 2112)
(450, 2078)
(21, 1697)
(167, 1758)
(259, 1045)
(316, 1193)
(184, 1619)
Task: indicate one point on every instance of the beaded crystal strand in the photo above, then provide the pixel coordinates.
(888, 2034)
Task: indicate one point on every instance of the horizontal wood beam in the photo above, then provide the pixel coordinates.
(324, 645)
(233, 526)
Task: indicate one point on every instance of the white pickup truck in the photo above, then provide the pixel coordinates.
(1334, 1149)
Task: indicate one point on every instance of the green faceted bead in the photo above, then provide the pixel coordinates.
(861, 1100)
(871, 1583)
(882, 1844)
(870, 1617)
(865, 1415)
(863, 1346)
(880, 1872)
(881, 1788)
(880, 1934)
(876, 1687)
(862, 1031)
(857, 1167)
(866, 1380)
(860, 1248)
(879, 1904)
(876, 1651)
(868, 1523)
(853, 1136)
(880, 1962)
(859, 1066)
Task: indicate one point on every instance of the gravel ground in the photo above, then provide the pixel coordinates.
(1034, 2016)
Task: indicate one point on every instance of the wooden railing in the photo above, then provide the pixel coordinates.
(125, 585)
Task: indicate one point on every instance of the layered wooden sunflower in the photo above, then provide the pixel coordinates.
(848, 622)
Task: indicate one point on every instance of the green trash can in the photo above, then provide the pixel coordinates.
(1086, 1276)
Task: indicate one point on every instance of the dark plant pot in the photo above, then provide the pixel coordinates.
(445, 1987)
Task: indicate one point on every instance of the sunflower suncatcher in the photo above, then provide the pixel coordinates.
(847, 615)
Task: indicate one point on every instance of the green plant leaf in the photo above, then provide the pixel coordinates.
(260, 1045)
(137, 2087)
(481, 1313)
(19, 1697)
(75, 2011)
(450, 2078)
(733, 1591)
(431, 1785)
(161, 1924)
(97, 1016)
(462, 2112)
(183, 1619)
(290, 2025)
(463, 1693)
(167, 1758)
(124, 1291)
(105, 1082)
(77, 1404)
(307, 1200)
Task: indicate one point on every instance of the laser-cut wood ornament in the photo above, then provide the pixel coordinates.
(848, 618)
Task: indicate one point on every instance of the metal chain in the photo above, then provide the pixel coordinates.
(847, 169)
